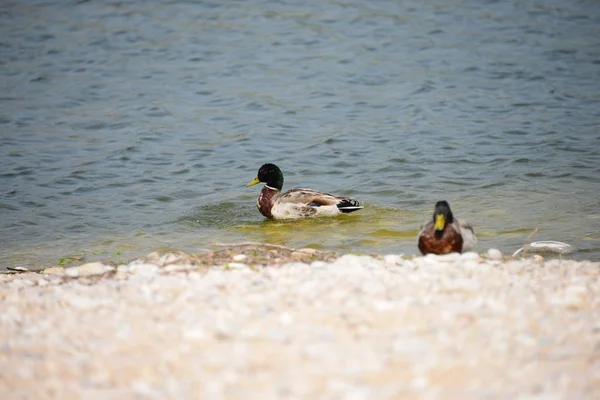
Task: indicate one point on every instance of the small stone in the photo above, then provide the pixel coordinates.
(20, 283)
(240, 257)
(162, 258)
(536, 258)
(123, 268)
(348, 261)
(143, 389)
(526, 340)
(473, 265)
(285, 318)
(494, 254)
(18, 269)
(173, 258)
(169, 268)
(574, 297)
(42, 282)
(194, 334)
(89, 269)
(54, 271)
(223, 331)
(72, 272)
(361, 330)
(430, 261)
(471, 255)
(392, 259)
(194, 276)
(81, 302)
(307, 250)
(383, 305)
(235, 265)
(515, 266)
(573, 302)
(144, 269)
(448, 258)
(576, 290)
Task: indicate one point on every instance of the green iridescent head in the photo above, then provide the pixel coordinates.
(269, 174)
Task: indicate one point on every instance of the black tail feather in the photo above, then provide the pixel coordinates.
(348, 205)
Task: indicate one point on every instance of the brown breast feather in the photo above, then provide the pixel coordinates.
(447, 241)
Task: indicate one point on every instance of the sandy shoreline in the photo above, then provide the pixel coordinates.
(302, 324)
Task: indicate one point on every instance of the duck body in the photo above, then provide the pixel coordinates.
(297, 203)
(445, 234)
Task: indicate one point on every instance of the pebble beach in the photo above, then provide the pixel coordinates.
(272, 323)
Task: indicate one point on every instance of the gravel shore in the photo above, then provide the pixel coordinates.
(263, 327)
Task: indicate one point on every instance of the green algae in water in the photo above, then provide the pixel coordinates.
(85, 256)
(371, 226)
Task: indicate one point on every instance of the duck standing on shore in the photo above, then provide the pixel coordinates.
(444, 234)
(296, 203)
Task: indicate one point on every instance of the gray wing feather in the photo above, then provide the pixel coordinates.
(468, 234)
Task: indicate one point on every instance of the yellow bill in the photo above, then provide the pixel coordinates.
(254, 182)
(440, 222)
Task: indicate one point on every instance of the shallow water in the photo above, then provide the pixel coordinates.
(128, 126)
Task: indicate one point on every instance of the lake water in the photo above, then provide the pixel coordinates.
(127, 126)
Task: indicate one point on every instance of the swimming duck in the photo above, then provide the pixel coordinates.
(296, 203)
(444, 234)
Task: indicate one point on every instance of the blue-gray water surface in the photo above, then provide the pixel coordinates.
(127, 126)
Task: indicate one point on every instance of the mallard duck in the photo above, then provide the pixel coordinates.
(444, 234)
(296, 203)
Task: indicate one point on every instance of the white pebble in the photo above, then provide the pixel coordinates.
(494, 254)
(143, 389)
(383, 305)
(235, 265)
(393, 259)
(81, 302)
(347, 261)
(240, 257)
(194, 334)
(144, 269)
(471, 255)
(448, 258)
(472, 265)
(307, 250)
(576, 290)
(54, 271)
(536, 258)
(124, 268)
(19, 283)
(89, 269)
(285, 318)
(430, 261)
(43, 282)
(223, 330)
